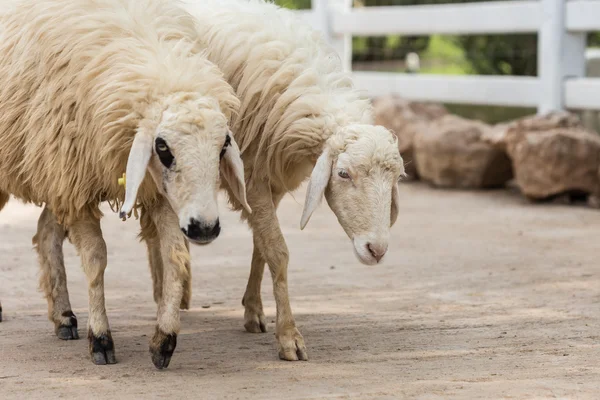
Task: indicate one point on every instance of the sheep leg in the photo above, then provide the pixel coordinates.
(175, 260)
(254, 316)
(186, 300)
(150, 236)
(86, 235)
(48, 242)
(272, 247)
(156, 268)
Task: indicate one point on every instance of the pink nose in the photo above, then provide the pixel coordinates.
(377, 250)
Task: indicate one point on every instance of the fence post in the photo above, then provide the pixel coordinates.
(561, 55)
(342, 43)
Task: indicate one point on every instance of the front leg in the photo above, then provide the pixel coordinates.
(175, 262)
(273, 249)
(86, 235)
(149, 235)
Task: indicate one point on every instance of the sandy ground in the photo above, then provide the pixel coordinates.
(482, 296)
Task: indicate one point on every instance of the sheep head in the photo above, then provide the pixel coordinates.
(185, 152)
(358, 173)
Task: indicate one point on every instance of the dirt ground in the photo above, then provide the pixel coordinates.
(482, 296)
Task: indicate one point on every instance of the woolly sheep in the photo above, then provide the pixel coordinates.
(90, 89)
(299, 113)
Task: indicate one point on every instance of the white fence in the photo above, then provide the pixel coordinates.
(561, 26)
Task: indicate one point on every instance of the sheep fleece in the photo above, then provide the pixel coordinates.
(72, 84)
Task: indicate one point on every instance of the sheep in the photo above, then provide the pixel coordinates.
(299, 113)
(90, 89)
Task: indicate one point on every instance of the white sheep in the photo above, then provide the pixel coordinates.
(90, 89)
(299, 112)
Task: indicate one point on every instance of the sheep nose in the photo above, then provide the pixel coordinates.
(377, 250)
(201, 232)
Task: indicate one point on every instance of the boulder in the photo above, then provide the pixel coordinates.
(406, 119)
(554, 156)
(497, 136)
(452, 153)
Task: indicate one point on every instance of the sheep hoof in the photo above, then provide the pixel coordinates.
(291, 345)
(162, 347)
(254, 317)
(185, 303)
(67, 331)
(256, 324)
(102, 348)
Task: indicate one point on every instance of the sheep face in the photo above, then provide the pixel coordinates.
(358, 174)
(188, 153)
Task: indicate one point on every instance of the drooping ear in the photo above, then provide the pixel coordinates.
(395, 204)
(137, 164)
(232, 169)
(316, 187)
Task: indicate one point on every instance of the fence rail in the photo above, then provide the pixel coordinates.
(561, 26)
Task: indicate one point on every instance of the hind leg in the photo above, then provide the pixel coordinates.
(48, 242)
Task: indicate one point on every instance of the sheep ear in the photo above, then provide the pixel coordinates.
(137, 164)
(232, 169)
(316, 187)
(395, 204)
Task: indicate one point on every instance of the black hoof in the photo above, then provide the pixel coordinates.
(68, 331)
(162, 347)
(102, 349)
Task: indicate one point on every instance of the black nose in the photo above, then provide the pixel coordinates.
(201, 232)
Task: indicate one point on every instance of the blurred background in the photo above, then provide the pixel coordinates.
(499, 54)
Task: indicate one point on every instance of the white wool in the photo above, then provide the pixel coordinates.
(294, 94)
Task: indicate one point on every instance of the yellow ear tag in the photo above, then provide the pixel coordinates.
(122, 180)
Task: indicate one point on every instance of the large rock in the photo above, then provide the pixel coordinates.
(498, 137)
(406, 119)
(452, 153)
(553, 155)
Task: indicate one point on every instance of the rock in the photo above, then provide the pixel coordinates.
(451, 153)
(497, 136)
(551, 160)
(406, 119)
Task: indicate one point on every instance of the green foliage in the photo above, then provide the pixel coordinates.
(444, 56)
(501, 54)
(294, 4)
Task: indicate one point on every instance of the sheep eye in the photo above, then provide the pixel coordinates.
(164, 154)
(343, 174)
(225, 145)
(162, 147)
